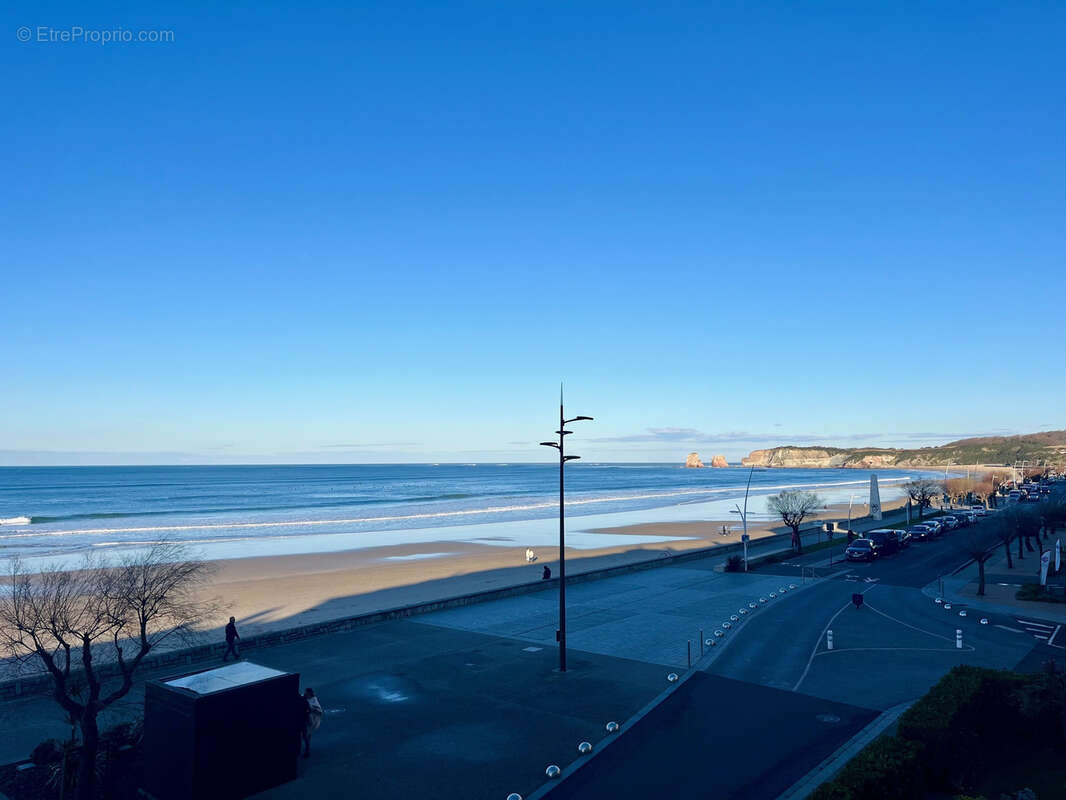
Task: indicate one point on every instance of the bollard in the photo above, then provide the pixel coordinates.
(958, 638)
(829, 640)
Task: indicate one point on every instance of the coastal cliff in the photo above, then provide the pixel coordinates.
(719, 461)
(693, 461)
(1040, 448)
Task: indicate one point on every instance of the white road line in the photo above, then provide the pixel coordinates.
(1051, 641)
(822, 636)
(912, 627)
(836, 650)
(1012, 630)
(1032, 624)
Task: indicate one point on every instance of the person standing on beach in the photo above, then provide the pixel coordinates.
(546, 573)
(232, 637)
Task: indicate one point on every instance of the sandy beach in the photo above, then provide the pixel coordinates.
(272, 592)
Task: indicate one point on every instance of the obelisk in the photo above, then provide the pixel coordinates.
(875, 499)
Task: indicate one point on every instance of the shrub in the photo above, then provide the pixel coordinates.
(887, 769)
(961, 719)
(734, 564)
(47, 752)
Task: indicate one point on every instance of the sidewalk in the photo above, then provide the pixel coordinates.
(1001, 584)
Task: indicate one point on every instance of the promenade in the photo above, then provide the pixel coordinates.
(467, 702)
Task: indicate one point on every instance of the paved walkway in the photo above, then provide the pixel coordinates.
(1001, 585)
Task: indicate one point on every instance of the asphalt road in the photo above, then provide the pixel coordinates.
(750, 726)
(720, 738)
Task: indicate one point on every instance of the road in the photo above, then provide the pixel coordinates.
(755, 720)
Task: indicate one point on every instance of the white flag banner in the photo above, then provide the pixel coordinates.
(875, 499)
(1045, 559)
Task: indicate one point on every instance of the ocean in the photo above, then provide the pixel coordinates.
(229, 511)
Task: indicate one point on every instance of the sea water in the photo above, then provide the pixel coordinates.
(231, 511)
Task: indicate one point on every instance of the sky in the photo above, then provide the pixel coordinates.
(386, 232)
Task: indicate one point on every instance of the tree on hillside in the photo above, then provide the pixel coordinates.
(922, 491)
(794, 506)
(90, 628)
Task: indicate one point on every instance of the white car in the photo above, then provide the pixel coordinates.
(980, 511)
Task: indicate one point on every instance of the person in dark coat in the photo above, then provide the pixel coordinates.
(312, 718)
(232, 637)
(546, 573)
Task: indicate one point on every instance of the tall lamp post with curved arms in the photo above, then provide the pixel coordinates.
(563, 458)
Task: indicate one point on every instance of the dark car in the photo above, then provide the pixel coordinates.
(949, 523)
(885, 542)
(904, 539)
(861, 550)
(921, 533)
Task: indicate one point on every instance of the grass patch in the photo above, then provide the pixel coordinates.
(1038, 594)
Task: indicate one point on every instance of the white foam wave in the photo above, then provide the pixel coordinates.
(15, 521)
(472, 512)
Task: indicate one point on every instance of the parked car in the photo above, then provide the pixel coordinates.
(904, 539)
(934, 526)
(884, 541)
(923, 533)
(861, 550)
(979, 510)
(949, 523)
(966, 517)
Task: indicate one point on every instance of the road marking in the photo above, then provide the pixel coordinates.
(1033, 624)
(822, 636)
(915, 649)
(1051, 641)
(1039, 636)
(1012, 630)
(908, 625)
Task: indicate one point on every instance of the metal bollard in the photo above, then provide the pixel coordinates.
(958, 638)
(829, 640)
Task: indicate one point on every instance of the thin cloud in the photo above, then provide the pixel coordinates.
(364, 445)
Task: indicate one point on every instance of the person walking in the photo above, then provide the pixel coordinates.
(313, 714)
(232, 637)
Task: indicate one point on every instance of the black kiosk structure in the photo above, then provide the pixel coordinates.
(222, 733)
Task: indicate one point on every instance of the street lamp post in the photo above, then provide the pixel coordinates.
(563, 458)
(744, 518)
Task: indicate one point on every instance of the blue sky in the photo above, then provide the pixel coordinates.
(386, 232)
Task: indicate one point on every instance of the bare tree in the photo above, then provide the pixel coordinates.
(794, 506)
(976, 545)
(1023, 523)
(922, 491)
(91, 628)
(1005, 533)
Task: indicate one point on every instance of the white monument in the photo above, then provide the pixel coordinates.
(875, 499)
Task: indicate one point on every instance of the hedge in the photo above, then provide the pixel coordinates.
(943, 740)
(888, 768)
(960, 720)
